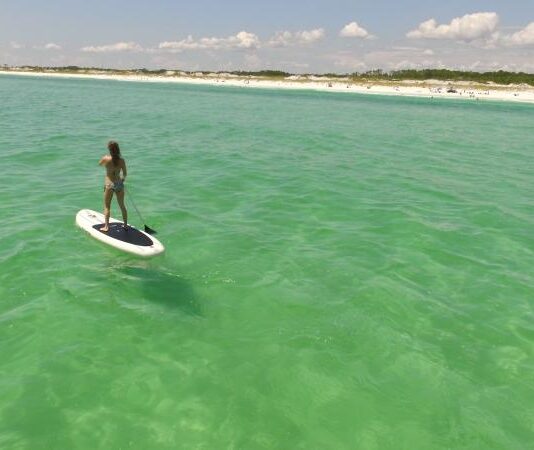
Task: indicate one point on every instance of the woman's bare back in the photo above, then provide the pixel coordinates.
(113, 172)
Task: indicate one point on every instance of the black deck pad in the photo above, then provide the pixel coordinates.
(129, 234)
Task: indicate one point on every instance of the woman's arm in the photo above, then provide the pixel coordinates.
(124, 170)
(103, 160)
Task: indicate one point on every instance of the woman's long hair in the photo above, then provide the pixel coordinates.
(115, 152)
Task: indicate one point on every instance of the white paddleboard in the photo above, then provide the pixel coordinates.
(130, 239)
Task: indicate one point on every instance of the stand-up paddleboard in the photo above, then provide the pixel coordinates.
(129, 239)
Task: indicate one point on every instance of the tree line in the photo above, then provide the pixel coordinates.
(499, 77)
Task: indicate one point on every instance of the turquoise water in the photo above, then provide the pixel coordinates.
(342, 271)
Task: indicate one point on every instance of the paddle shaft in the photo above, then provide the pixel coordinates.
(131, 199)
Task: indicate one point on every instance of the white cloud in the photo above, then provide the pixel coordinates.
(467, 28)
(49, 46)
(16, 46)
(52, 46)
(185, 44)
(281, 39)
(348, 61)
(522, 37)
(411, 50)
(407, 64)
(307, 37)
(242, 40)
(354, 30)
(287, 38)
(114, 48)
(400, 58)
(514, 66)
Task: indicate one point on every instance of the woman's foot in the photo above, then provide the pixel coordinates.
(104, 229)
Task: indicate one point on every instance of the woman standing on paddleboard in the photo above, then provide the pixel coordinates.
(114, 183)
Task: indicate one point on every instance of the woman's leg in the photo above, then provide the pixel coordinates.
(120, 199)
(108, 195)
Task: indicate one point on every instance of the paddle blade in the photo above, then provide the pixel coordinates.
(150, 230)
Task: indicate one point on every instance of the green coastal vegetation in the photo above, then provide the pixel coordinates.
(498, 77)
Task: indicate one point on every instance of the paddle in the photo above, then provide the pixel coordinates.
(147, 228)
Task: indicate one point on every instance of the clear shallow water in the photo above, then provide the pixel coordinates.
(342, 271)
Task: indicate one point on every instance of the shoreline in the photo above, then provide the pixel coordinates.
(424, 89)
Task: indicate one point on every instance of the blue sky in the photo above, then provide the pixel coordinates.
(311, 36)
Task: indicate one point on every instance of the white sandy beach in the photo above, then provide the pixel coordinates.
(428, 88)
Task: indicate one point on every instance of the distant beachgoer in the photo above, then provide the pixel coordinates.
(113, 182)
